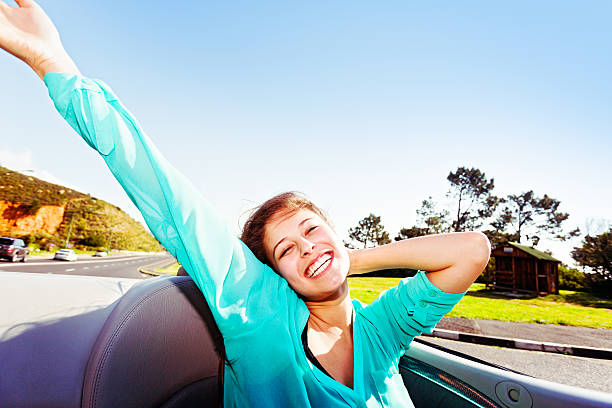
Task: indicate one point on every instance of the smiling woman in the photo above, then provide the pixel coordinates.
(293, 336)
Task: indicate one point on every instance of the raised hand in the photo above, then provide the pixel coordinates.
(29, 34)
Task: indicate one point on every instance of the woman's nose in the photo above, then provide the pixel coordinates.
(306, 247)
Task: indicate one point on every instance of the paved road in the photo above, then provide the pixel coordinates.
(550, 333)
(577, 371)
(121, 266)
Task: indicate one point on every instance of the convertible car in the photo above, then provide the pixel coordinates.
(79, 341)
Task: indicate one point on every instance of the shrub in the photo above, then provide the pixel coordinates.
(596, 255)
(486, 276)
(43, 240)
(571, 279)
(598, 285)
(94, 241)
(391, 273)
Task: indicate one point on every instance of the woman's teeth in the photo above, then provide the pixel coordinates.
(319, 266)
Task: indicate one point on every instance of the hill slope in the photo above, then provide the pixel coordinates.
(42, 213)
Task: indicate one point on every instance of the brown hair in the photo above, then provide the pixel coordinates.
(281, 204)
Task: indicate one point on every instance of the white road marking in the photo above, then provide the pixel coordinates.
(35, 261)
(87, 267)
(69, 269)
(97, 266)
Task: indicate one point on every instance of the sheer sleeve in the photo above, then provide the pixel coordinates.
(231, 278)
(399, 314)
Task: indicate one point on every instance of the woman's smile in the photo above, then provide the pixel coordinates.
(320, 265)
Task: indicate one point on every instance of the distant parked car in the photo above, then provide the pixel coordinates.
(13, 249)
(65, 255)
(100, 253)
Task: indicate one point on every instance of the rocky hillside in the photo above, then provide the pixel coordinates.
(43, 212)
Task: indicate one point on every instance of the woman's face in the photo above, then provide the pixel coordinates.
(307, 253)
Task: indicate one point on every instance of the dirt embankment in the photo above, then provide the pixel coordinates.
(16, 221)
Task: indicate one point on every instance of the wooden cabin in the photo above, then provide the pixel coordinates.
(521, 268)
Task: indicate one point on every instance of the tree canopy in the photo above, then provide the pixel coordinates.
(527, 216)
(475, 201)
(596, 254)
(523, 217)
(430, 220)
(370, 232)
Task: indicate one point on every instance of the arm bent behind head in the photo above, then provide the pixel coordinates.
(454, 260)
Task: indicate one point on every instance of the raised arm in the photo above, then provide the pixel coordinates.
(240, 290)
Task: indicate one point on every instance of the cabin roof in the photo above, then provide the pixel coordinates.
(533, 252)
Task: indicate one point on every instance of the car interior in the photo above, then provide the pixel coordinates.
(80, 341)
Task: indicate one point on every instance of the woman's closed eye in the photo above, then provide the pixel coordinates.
(310, 229)
(285, 251)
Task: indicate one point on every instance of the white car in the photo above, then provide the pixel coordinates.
(100, 253)
(65, 255)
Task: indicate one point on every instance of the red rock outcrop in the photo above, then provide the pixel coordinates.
(15, 221)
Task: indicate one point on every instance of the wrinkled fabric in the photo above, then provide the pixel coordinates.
(260, 316)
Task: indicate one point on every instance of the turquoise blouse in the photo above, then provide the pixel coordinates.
(260, 316)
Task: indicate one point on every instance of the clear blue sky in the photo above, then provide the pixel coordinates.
(364, 106)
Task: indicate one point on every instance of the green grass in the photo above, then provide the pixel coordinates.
(19, 188)
(567, 308)
(170, 270)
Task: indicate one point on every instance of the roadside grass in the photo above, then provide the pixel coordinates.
(568, 308)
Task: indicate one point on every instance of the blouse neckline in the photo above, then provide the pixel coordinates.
(323, 376)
